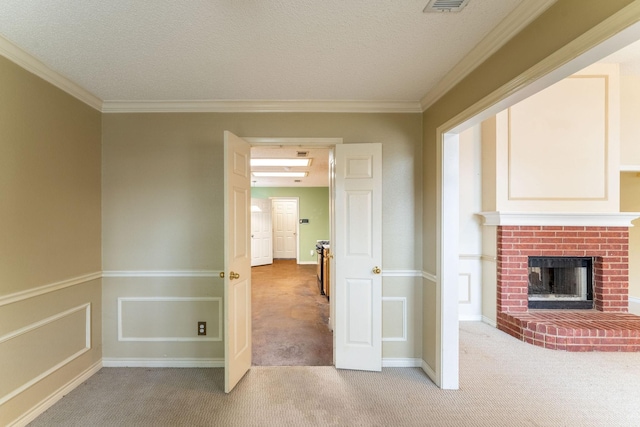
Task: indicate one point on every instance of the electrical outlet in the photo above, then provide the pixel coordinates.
(202, 328)
(311, 252)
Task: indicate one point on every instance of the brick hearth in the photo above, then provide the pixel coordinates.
(606, 328)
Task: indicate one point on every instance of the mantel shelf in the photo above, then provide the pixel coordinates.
(578, 219)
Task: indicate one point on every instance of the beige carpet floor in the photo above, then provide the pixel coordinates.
(504, 382)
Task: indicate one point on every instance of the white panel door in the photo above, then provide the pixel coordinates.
(261, 232)
(237, 261)
(358, 255)
(285, 228)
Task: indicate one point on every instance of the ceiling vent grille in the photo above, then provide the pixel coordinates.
(445, 6)
(302, 153)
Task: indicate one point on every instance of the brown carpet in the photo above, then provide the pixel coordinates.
(290, 317)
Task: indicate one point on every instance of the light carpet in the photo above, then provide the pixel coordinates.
(503, 382)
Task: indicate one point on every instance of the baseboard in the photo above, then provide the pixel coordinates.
(47, 403)
(404, 362)
(489, 322)
(308, 262)
(472, 318)
(162, 362)
(634, 305)
(430, 372)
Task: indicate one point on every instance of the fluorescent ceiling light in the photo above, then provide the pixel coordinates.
(280, 162)
(280, 174)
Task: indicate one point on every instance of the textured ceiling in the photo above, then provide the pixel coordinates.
(150, 50)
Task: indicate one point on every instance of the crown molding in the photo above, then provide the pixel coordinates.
(37, 67)
(517, 20)
(567, 219)
(261, 106)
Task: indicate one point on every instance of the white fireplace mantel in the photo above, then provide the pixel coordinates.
(576, 219)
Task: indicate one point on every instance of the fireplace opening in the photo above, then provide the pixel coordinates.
(560, 282)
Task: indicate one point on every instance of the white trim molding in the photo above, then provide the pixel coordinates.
(52, 287)
(489, 321)
(403, 302)
(47, 403)
(429, 276)
(401, 273)
(261, 106)
(430, 372)
(162, 273)
(578, 219)
(401, 362)
(164, 362)
(518, 19)
(44, 322)
(27, 61)
(122, 300)
(629, 168)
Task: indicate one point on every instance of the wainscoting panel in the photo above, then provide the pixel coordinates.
(166, 319)
(401, 317)
(470, 287)
(394, 314)
(33, 352)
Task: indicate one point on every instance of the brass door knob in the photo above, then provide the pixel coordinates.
(233, 275)
(376, 270)
(222, 274)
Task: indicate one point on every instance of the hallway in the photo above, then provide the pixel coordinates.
(290, 317)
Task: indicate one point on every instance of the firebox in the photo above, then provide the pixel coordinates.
(560, 282)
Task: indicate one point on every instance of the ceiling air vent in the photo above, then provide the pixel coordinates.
(445, 6)
(303, 153)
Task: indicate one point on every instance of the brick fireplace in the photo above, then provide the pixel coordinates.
(609, 247)
(606, 327)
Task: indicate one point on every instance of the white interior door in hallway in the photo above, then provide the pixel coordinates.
(261, 232)
(285, 228)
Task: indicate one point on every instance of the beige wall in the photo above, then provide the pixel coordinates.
(50, 299)
(562, 23)
(558, 150)
(162, 218)
(630, 202)
(630, 120)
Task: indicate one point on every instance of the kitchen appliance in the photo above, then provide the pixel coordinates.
(322, 270)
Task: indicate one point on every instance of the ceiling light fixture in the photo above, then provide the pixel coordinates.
(280, 174)
(280, 162)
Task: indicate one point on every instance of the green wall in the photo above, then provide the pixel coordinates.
(313, 205)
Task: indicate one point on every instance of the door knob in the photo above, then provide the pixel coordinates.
(222, 274)
(233, 275)
(376, 270)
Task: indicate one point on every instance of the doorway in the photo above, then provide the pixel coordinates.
(290, 315)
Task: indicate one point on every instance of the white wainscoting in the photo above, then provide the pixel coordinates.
(395, 319)
(470, 287)
(31, 293)
(390, 362)
(48, 367)
(150, 321)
